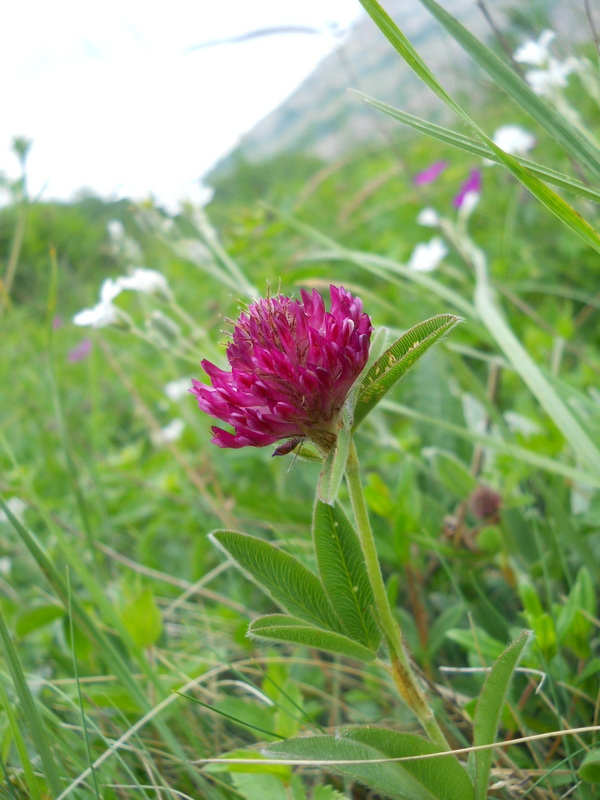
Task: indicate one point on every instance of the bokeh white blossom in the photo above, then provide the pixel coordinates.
(427, 256)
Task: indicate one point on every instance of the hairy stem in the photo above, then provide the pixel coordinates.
(401, 670)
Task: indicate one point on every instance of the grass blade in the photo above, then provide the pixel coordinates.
(520, 454)
(36, 727)
(573, 141)
(586, 153)
(475, 148)
(531, 374)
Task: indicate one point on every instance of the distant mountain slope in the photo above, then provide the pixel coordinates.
(322, 118)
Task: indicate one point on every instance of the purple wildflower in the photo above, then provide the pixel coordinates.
(471, 186)
(81, 352)
(292, 366)
(430, 174)
(57, 322)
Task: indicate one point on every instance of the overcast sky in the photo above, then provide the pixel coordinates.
(117, 96)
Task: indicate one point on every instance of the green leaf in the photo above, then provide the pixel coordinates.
(142, 619)
(489, 707)
(476, 641)
(334, 467)
(343, 573)
(589, 770)
(281, 628)
(328, 793)
(397, 360)
(452, 472)
(476, 148)
(259, 787)
(288, 582)
(441, 778)
(35, 618)
(573, 628)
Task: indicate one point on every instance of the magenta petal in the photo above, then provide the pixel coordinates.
(430, 174)
(81, 352)
(472, 184)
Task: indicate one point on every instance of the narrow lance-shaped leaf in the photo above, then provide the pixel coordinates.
(489, 708)
(344, 574)
(281, 628)
(288, 582)
(397, 360)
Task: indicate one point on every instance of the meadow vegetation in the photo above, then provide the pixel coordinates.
(124, 660)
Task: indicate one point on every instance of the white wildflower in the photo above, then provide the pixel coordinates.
(116, 231)
(468, 205)
(519, 424)
(535, 53)
(544, 82)
(429, 218)
(170, 433)
(147, 281)
(5, 565)
(177, 389)
(426, 256)
(513, 139)
(104, 313)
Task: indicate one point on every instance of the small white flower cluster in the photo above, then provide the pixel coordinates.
(550, 74)
(514, 140)
(427, 256)
(170, 433)
(177, 389)
(146, 281)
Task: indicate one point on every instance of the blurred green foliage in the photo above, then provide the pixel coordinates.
(124, 515)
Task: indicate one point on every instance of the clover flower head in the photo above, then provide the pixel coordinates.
(485, 503)
(292, 366)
